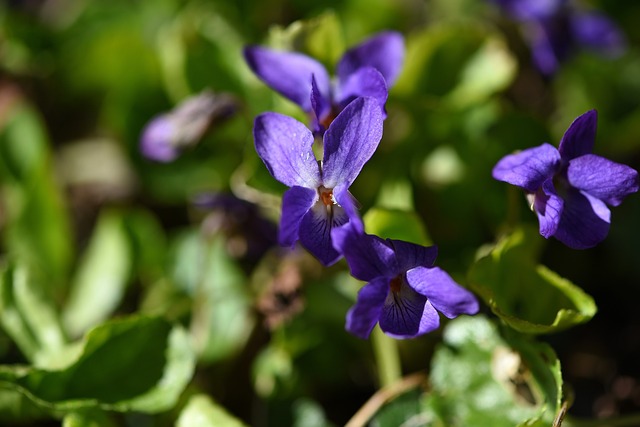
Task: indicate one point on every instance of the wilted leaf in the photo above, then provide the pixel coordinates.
(528, 297)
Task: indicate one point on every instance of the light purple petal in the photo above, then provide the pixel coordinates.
(578, 140)
(407, 314)
(285, 146)
(548, 206)
(597, 32)
(585, 221)
(364, 315)
(158, 140)
(529, 168)
(609, 181)
(364, 82)
(368, 256)
(288, 73)
(410, 255)
(315, 231)
(384, 52)
(296, 202)
(442, 291)
(350, 141)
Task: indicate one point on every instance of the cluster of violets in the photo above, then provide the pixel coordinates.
(568, 188)
(404, 291)
(555, 29)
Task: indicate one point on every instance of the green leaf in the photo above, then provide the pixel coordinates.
(132, 364)
(396, 224)
(528, 297)
(222, 317)
(491, 69)
(102, 277)
(201, 411)
(37, 228)
(28, 315)
(88, 418)
(481, 378)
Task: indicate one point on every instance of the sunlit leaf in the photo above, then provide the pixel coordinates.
(28, 315)
(102, 277)
(396, 224)
(133, 364)
(481, 378)
(202, 411)
(528, 297)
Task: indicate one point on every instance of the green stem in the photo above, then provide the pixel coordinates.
(622, 421)
(385, 350)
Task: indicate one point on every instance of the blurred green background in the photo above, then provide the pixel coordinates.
(193, 309)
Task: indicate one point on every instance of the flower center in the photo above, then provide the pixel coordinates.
(326, 196)
(396, 284)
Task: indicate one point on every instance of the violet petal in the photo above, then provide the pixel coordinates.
(285, 146)
(364, 315)
(410, 255)
(384, 52)
(296, 202)
(350, 141)
(585, 221)
(363, 82)
(529, 168)
(315, 231)
(578, 140)
(609, 181)
(549, 207)
(288, 73)
(407, 314)
(442, 291)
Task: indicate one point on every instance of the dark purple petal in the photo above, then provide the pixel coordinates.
(368, 256)
(296, 202)
(585, 221)
(578, 140)
(364, 315)
(364, 82)
(407, 314)
(158, 140)
(285, 146)
(288, 73)
(410, 255)
(384, 52)
(321, 106)
(350, 141)
(597, 32)
(442, 291)
(609, 181)
(529, 168)
(350, 205)
(548, 206)
(315, 231)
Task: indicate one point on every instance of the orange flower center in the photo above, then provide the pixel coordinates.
(326, 195)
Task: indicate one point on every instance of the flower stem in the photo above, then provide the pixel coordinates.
(387, 357)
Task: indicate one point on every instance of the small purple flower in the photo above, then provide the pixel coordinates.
(366, 70)
(404, 291)
(569, 188)
(319, 197)
(168, 134)
(556, 29)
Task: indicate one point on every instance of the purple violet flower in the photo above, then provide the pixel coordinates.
(168, 134)
(319, 197)
(404, 291)
(366, 70)
(556, 29)
(569, 188)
